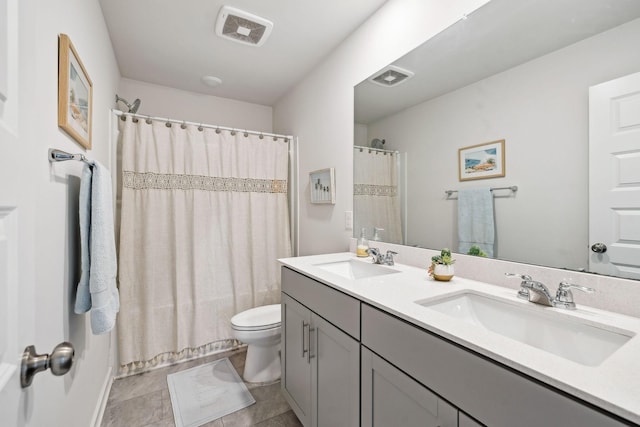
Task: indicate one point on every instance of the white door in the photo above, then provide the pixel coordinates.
(614, 177)
(15, 314)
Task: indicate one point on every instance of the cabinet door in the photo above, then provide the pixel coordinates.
(392, 398)
(466, 421)
(335, 376)
(296, 366)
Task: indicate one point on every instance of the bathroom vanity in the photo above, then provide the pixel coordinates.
(373, 345)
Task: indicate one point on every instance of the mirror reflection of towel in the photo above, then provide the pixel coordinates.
(475, 220)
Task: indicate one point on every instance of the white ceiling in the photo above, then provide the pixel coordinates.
(173, 43)
(500, 35)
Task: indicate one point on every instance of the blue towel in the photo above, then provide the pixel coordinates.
(475, 220)
(97, 289)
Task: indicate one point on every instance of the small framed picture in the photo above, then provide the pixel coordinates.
(75, 92)
(323, 186)
(481, 161)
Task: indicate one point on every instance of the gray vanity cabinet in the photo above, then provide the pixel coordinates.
(296, 370)
(466, 421)
(391, 398)
(320, 360)
(491, 393)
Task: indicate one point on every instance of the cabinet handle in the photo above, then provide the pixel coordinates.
(305, 325)
(309, 356)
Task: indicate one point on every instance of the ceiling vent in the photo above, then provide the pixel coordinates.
(391, 76)
(242, 27)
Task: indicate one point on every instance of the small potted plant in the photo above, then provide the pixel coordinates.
(442, 266)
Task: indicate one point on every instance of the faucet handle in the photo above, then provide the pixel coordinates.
(564, 296)
(388, 258)
(566, 286)
(523, 293)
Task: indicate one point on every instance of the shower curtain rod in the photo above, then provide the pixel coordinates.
(123, 115)
(378, 150)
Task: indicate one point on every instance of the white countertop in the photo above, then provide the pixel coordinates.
(614, 385)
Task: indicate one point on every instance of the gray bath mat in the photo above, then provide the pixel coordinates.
(207, 392)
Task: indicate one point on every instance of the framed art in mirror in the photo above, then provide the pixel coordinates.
(75, 92)
(323, 186)
(481, 161)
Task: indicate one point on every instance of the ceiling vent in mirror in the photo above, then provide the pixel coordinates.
(391, 76)
(242, 27)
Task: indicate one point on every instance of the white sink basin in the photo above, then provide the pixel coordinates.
(586, 343)
(354, 270)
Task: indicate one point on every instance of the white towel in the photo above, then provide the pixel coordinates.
(475, 220)
(97, 289)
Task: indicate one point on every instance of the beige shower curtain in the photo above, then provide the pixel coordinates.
(204, 220)
(376, 200)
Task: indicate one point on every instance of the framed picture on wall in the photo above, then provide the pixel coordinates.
(75, 92)
(323, 186)
(481, 161)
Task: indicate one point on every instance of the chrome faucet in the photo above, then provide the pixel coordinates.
(532, 290)
(378, 258)
(537, 292)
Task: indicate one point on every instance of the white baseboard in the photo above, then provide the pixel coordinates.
(98, 413)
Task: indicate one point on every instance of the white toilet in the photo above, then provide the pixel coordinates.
(259, 328)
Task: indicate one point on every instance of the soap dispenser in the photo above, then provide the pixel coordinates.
(363, 244)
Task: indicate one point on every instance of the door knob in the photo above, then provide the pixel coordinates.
(599, 248)
(60, 361)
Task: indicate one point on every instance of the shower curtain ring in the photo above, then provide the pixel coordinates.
(200, 128)
(233, 132)
(148, 121)
(246, 134)
(261, 136)
(275, 138)
(183, 125)
(217, 130)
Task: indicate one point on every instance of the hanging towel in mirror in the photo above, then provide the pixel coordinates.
(475, 220)
(97, 289)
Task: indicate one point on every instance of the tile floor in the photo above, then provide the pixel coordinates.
(143, 400)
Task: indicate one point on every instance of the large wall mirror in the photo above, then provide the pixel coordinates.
(522, 71)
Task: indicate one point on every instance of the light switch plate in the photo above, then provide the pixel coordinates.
(348, 220)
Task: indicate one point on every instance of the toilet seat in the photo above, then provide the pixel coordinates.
(258, 318)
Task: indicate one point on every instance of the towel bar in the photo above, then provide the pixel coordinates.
(513, 188)
(61, 156)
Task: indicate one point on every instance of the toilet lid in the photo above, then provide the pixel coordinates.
(264, 317)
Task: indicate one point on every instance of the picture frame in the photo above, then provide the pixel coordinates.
(75, 93)
(322, 184)
(482, 161)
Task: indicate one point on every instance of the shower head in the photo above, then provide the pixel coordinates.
(133, 107)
